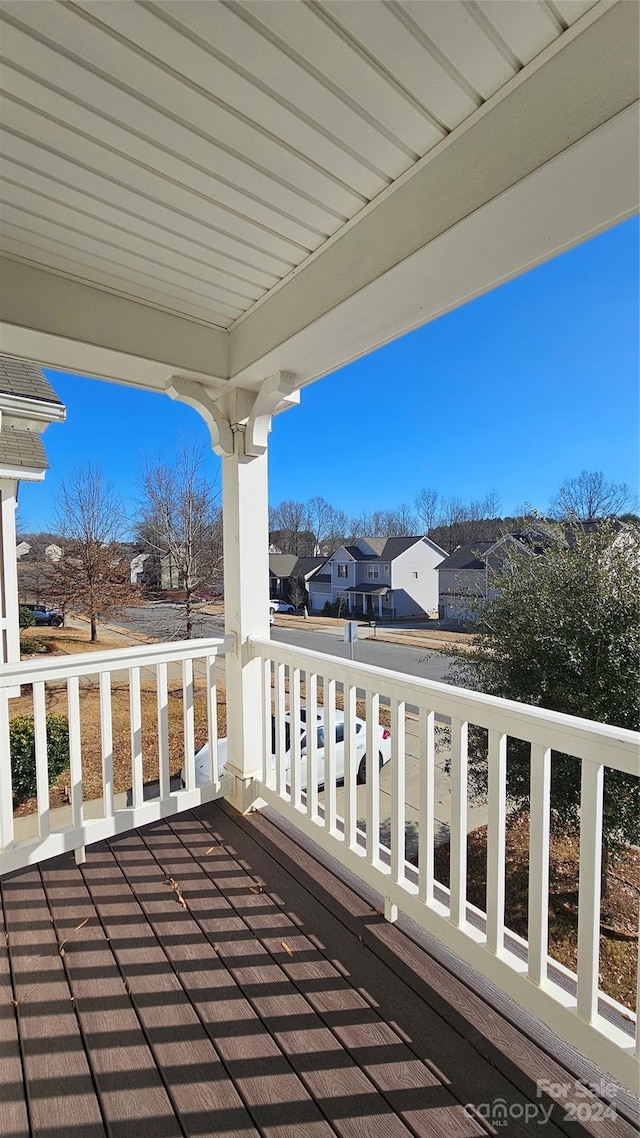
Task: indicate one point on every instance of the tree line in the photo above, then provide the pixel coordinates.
(316, 527)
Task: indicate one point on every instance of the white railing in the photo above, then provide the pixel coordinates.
(146, 679)
(349, 827)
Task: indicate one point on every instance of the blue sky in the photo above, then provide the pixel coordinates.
(514, 392)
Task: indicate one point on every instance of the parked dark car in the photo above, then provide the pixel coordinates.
(43, 615)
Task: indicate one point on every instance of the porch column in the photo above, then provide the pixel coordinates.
(246, 607)
(240, 422)
(9, 622)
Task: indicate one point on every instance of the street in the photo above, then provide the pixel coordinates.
(167, 622)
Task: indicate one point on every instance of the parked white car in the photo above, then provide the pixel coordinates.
(382, 746)
(281, 606)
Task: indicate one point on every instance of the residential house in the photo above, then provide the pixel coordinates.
(466, 574)
(462, 578)
(28, 404)
(391, 577)
(223, 204)
(289, 576)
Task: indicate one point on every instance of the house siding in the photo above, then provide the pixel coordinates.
(416, 596)
(341, 584)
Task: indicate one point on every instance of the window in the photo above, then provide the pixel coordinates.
(386, 570)
(339, 732)
(373, 572)
(343, 571)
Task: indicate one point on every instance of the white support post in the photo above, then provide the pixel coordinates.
(246, 606)
(240, 421)
(9, 607)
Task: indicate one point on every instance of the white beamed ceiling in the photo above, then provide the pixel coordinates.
(197, 158)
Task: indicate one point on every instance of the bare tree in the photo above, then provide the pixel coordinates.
(402, 522)
(452, 518)
(92, 576)
(290, 522)
(181, 522)
(427, 504)
(589, 496)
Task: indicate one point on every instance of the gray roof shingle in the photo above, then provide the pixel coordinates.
(19, 377)
(22, 449)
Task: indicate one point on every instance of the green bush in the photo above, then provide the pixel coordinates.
(22, 747)
(339, 607)
(32, 646)
(26, 617)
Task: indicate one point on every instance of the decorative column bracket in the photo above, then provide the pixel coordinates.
(239, 420)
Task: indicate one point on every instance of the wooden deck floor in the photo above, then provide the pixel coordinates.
(205, 976)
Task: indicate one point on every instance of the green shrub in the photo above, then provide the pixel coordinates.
(26, 617)
(22, 747)
(32, 646)
(339, 607)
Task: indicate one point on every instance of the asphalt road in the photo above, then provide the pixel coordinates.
(166, 622)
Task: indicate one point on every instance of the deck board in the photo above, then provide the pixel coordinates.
(339, 1085)
(125, 1071)
(207, 976)
(194, 1088)
(394, 1073)
(14, 1119)
(60, 1090)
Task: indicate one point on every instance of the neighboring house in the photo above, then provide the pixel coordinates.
(138, 568)
(391, 577)
(466, 574)
(28, 404)
(22, 549)
(53, 553)
(289, 576)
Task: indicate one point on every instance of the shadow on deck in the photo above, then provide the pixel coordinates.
(207, 976)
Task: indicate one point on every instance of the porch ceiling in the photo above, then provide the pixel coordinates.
(222, 190)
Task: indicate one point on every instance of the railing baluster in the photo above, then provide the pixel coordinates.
(589, 884)
(281, 780)
(42, 762)
(312, 745)
(398, 792)
(350, 790)
(330, 754)
(75, 751)
(6, 781)
(458, 835)
(426, 791)
(106, 744)
(268, 772)
(136, 736)
(162, 708)
(294, 704)
(496, 840)
(372, 794)
(187, 710)
(212, 718)
(539, 863)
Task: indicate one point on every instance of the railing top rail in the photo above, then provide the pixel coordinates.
(615, 747)
(92, 663)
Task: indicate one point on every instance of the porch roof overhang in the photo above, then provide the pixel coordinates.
(216, 193)
(370, 590)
